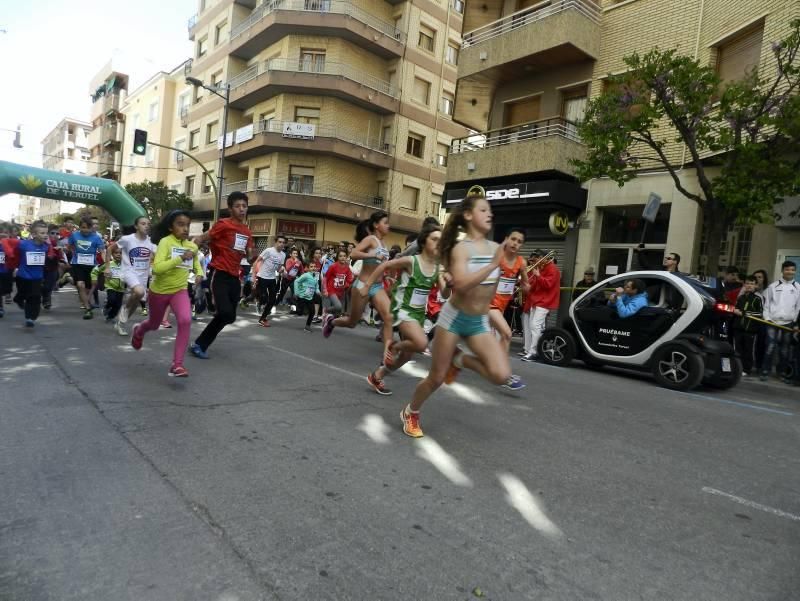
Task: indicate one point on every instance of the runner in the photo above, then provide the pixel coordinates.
(8, 262)
(115, 286)
(32, 255)
(55, 261)
(338, 280)
(372, 252)
(512, 269)
(417, 274)
(229, 240)
(269, 266)
(84, 245)
(306, 292)
(137, 255)
(175, 257)
(474, 267)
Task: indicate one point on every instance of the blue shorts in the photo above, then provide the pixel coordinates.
(373, 290)
(461, 324)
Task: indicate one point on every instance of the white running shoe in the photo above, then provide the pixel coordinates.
(120, 330)
(123, 315)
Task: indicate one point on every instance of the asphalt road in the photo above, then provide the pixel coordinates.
(274, 472)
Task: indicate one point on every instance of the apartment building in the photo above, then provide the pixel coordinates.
(65, 148)
(108, 90)
(337, 108)
(526, 72)
(27, 209)
(155, 107)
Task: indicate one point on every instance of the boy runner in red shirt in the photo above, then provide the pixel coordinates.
(229, 240)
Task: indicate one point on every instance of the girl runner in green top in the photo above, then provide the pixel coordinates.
(418, 274)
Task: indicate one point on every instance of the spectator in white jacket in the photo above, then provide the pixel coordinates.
(781, 306)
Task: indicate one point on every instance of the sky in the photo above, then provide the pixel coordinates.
(51, 50)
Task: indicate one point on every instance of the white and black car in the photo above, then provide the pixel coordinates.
(674, 337)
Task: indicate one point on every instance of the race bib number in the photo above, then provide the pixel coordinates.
(85, 259)
(293, 272)
(2, 258)
(506, 286)
(116, 273)
(339, 281)
(34, 257)
(177, 251)
(140, 264)
(419, 298)
(240, 242)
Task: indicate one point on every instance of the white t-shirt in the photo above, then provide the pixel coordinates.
(272, 260)
(136, 254)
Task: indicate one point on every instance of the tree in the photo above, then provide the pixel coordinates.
(741, 138)
(157, 199)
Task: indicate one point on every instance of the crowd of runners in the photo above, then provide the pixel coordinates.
(447, 295)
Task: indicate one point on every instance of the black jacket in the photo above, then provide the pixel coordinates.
(751, 305)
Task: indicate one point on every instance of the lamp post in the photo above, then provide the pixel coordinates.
(221, 168)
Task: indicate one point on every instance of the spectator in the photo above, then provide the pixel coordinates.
(629, 299)
(671, 263)
(731, 285)
(762, 281)
(781, 306)
(745, 330)
(543, 297)
(587, 282)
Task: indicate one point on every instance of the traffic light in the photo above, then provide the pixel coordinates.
(139, 141)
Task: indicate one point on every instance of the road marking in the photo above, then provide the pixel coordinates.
(374, 426)
(529, 507)
(737, 403)
(464, 392)
(429, 450)
(753, 504)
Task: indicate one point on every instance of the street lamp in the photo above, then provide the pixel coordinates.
(193, 81)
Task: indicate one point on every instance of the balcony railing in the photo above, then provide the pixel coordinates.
(300, 187)
(537, 12)
(184, 112)
(192, 22)
(338, 7)
(327, 131)
(555, 126)
(318, 68)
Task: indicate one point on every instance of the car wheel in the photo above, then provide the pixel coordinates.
(732, 379)
(678, 367)
(556, 347)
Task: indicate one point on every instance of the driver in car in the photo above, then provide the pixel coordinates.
(629, 299)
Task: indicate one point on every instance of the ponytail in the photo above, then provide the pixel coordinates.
(456, 224)
(362, 230)
(164, 227)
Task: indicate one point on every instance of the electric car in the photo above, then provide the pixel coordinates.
(676, 337)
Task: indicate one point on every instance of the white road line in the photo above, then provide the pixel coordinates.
(374, 426)
(753, 504)
(526, 503)
(429, 450)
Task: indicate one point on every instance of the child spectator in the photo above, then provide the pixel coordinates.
(749, 304)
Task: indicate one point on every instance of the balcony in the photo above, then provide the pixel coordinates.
(111, 103)
(96, 136)
(112, 133)
(546, 145)
(268, 136)
(184, 113)
(191, 23)
(542, 38)
(272, 21)
(280, 75)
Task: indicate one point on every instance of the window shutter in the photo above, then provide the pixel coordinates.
(421, 90)
(740, 55)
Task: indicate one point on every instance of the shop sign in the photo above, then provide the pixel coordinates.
(302, 131)
(300, 229)
(517, 192)
(260, 226)
(558, 223)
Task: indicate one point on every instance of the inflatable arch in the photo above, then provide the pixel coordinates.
(105, 193)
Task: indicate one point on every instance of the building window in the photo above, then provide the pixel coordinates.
(421, 92)
(739, 56)
(134, 122)
(415, 145)
(436, 205)
(197, 94)
(573, 108)
(132, 162)
(409, 199)
(216, 78)
(179, 145)
(194, 139)
(202, 47)
(301, 180)
(441, 155)
(458, 6)
(451, 56)
(208, 178)
(152, 112)
(221, 33)
(426, 38)
(621, 233)
(306, 115)
(265, 121)
(312, 60)
(183, 102)
(262, 178)
(212, 132)
(189, 185)
(448, 103)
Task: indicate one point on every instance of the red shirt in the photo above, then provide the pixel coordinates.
(9, 247)
(294, 268)
(545, 289)
(230, 241)
(338, 279)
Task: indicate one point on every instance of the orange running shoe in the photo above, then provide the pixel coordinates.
(411, 423)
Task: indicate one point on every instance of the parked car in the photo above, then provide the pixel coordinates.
(676, 337)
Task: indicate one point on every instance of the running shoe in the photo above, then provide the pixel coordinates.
(198, 352)
(529, 358)
(166, 325)
(120, 329)
(453, 370)
(411, 423)
(307, 329)
(136, 338)
(144, 311)
(378, 385)
(327, 325)
(316, 320)
(47, 306)
(83, 307)
(29, 323)
(88, 314)
(178, 371)
(514, 382)
(123, 315)
(521, 354)
(264, 323)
